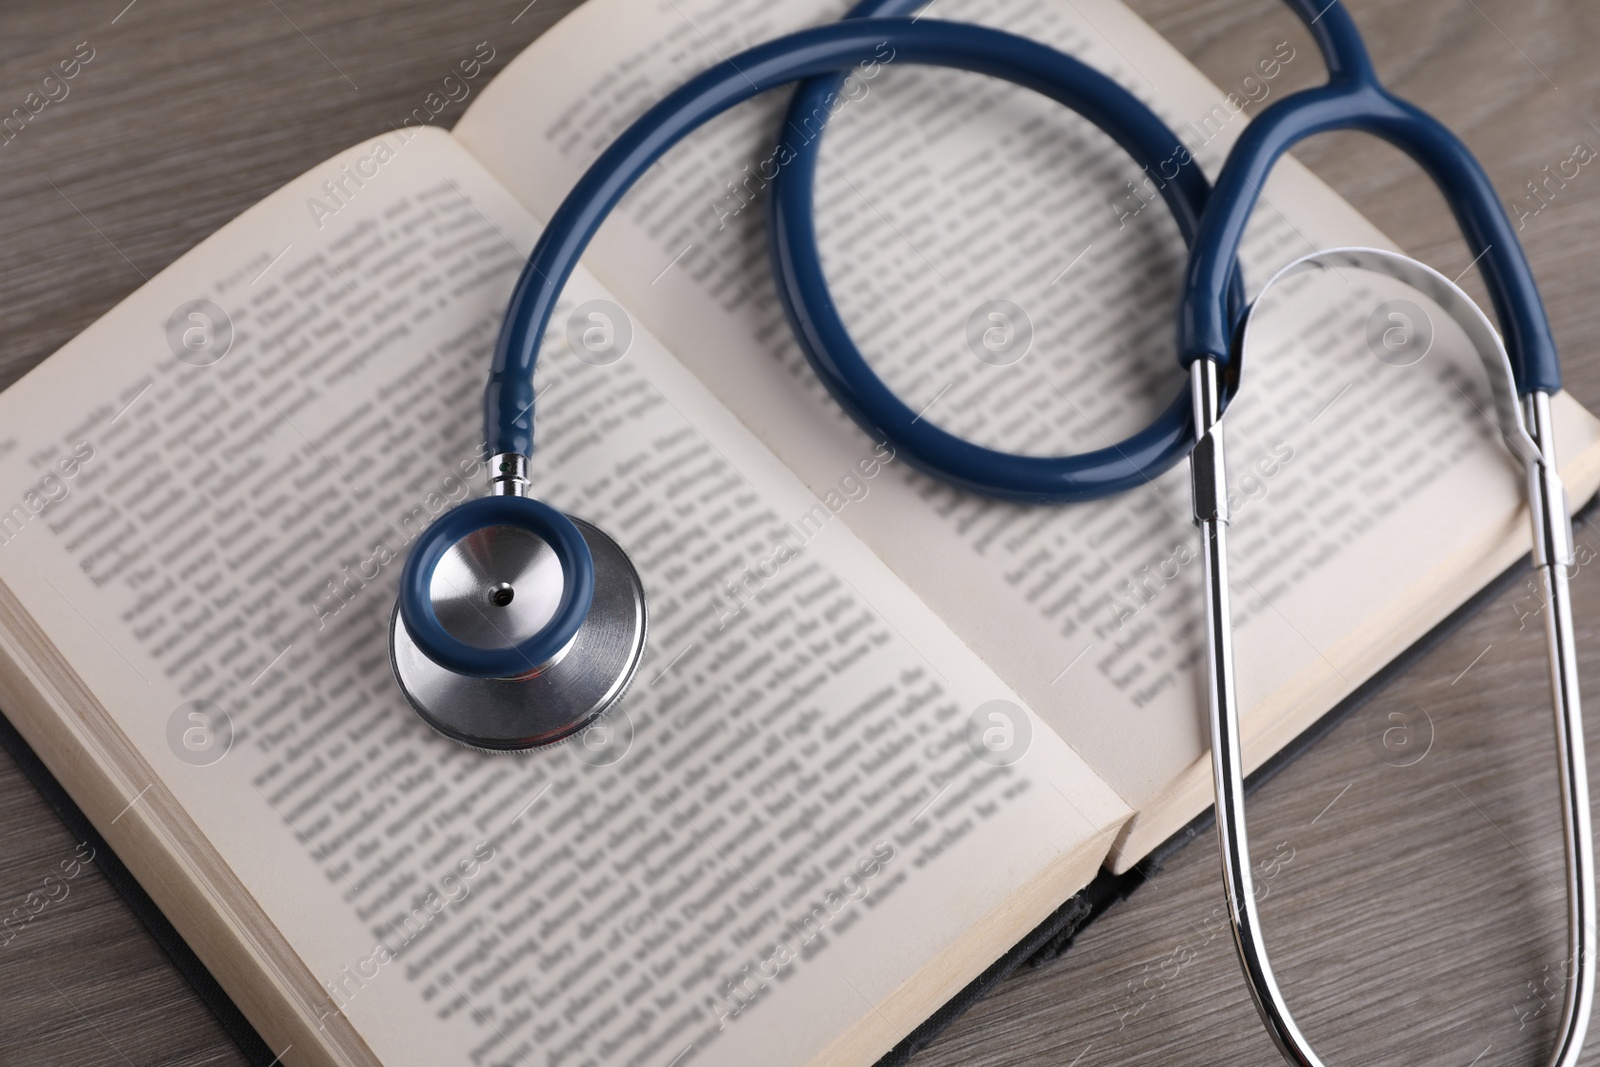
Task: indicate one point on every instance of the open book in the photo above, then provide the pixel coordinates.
(883, 728)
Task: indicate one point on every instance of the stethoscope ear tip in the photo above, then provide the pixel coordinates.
(493, 588)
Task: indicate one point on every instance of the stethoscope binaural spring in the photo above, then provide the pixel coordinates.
(518, 626)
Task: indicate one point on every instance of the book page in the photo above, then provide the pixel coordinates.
(1362, 489)
(783, 846)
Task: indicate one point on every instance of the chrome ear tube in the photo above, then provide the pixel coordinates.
(1526, 429)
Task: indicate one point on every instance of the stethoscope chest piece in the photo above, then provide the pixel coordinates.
(516, 626)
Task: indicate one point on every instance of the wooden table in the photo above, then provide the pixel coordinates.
(1420, 918)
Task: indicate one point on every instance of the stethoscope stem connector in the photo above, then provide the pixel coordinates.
(508, 474)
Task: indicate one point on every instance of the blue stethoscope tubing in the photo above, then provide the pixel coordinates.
(824, 338)
(1209, 313)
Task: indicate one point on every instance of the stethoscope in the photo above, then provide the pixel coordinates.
(518, 626)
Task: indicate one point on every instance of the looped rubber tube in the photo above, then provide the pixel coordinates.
(810, 54)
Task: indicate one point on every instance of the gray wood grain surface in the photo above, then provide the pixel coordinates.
(1415, 911)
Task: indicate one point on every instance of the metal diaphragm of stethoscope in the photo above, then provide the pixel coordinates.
(518, 626)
